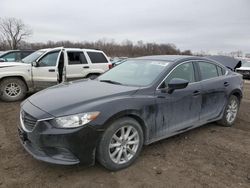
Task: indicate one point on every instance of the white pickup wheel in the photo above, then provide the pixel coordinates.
(12, 89)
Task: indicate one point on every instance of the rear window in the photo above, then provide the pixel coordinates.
(97, 57)
(76, 58)
(221, 71)
(208, 70)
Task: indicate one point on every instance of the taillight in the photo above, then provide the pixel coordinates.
(110, 66)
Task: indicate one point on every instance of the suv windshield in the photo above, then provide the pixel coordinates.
(135, 72)
(32, 57)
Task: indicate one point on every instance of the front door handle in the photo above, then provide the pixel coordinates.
(86, 67)
(196, 93)
(226, 84)
(52, 70)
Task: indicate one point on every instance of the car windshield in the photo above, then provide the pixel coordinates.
(32, 57)
(135, 72)
(245, 64)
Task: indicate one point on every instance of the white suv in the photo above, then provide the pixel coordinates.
(47, 67)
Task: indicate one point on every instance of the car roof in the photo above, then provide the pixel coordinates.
(69, 49)
(171, 58)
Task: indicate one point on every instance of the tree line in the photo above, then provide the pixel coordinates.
(14, 32)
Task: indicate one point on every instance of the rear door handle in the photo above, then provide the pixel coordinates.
(195, 93)
(86, 67)
(226, 84)
(52, 70)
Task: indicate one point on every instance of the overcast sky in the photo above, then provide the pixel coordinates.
(211, 25)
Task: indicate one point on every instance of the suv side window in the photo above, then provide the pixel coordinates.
(49, 60)
(184, 71)
(10, 56)
(76, 58)
(97, 57)
(208, 70)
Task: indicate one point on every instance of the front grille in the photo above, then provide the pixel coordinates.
(28, 121)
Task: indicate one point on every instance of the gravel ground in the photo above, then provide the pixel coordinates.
(209, 156)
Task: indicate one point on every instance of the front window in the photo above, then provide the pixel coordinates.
(184, 71)
(49, 60)
(135, 72)
(33, 57)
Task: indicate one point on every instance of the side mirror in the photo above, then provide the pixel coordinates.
(34, 64)
(176, 83)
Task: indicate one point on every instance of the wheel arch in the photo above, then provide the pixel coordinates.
(19, 77)
(96, 74)
(237, 93)
(131, 114)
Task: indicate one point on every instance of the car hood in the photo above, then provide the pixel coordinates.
(75, 97)
(11, 64)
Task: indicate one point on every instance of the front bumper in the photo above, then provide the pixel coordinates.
(59, 146)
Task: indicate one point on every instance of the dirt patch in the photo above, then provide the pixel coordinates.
(210, 156)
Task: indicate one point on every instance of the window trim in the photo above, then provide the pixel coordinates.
(196, 68)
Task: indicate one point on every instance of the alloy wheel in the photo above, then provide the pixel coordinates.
(12, 89)
(124, 144)
(232, 110)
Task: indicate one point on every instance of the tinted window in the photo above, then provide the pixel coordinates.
(208, 70)
(76, 58)
(25, 54)
(49, 59)
(97, 57)
(184, 71)
(10, 56)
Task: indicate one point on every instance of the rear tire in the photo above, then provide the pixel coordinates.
(92, 76)
(12, 89)
(230, 112)
(120, 144)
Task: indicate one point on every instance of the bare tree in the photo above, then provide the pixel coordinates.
(13, 31)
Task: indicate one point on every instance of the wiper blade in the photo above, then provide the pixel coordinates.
(111, 81)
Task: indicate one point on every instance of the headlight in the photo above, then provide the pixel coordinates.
(76, 120)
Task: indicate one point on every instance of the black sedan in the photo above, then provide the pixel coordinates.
(141, 101)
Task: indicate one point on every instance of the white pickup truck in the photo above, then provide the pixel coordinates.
(48, 67)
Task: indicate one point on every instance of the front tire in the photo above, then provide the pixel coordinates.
(12, 89)
(230, 112)
(120, 144)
